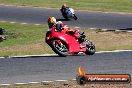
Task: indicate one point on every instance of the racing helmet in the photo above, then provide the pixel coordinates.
(51, 21)
(64, 6)
(59, 25)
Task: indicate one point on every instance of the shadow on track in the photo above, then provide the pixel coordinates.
(126, 29)
(62, 20)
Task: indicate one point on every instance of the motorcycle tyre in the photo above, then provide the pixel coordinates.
(57, 51)
(75, 17)
(90, 52)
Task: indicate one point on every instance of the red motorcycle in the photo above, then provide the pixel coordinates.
(63, 43)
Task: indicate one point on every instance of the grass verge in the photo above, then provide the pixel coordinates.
(96, 5)
(23, 40)
(29, 39)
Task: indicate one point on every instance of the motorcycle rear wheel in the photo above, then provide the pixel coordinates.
(90, 51)
(90, 48)
(59, 48)
(75, 17)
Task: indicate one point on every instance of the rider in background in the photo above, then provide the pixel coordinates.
(63, 10)
(60, 26)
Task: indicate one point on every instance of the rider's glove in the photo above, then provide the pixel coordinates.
(82, 35)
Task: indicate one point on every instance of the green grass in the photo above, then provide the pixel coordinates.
(18, 34)
(96, 5)
(23, 39)
(29, 39)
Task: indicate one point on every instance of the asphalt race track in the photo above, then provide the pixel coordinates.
(86, 19)
(16, 70)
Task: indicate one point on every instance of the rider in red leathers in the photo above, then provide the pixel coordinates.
(60, 26)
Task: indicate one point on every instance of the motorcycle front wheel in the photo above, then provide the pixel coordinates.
(75, 17)
(59, 48)
(90, 48)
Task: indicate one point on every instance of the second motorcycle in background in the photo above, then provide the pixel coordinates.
(68, 13)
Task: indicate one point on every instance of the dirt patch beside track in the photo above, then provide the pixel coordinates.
(69, 84)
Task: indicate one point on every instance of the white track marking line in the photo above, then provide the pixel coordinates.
(92, 28)
(3, 21)
(23, 23)
(37, 24)
(106, 12)
(74, 79)
(19, 23)
(2, 57)
(35, 55)
(116, 30)
(33, 82)
(38, 82)
(104, 29)
(8, 5)
(47, 81)
(129, 31)
(113, 51)
(24, 56)
(61, 80)
(20, 83)
(13, 22)
(5, 84)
